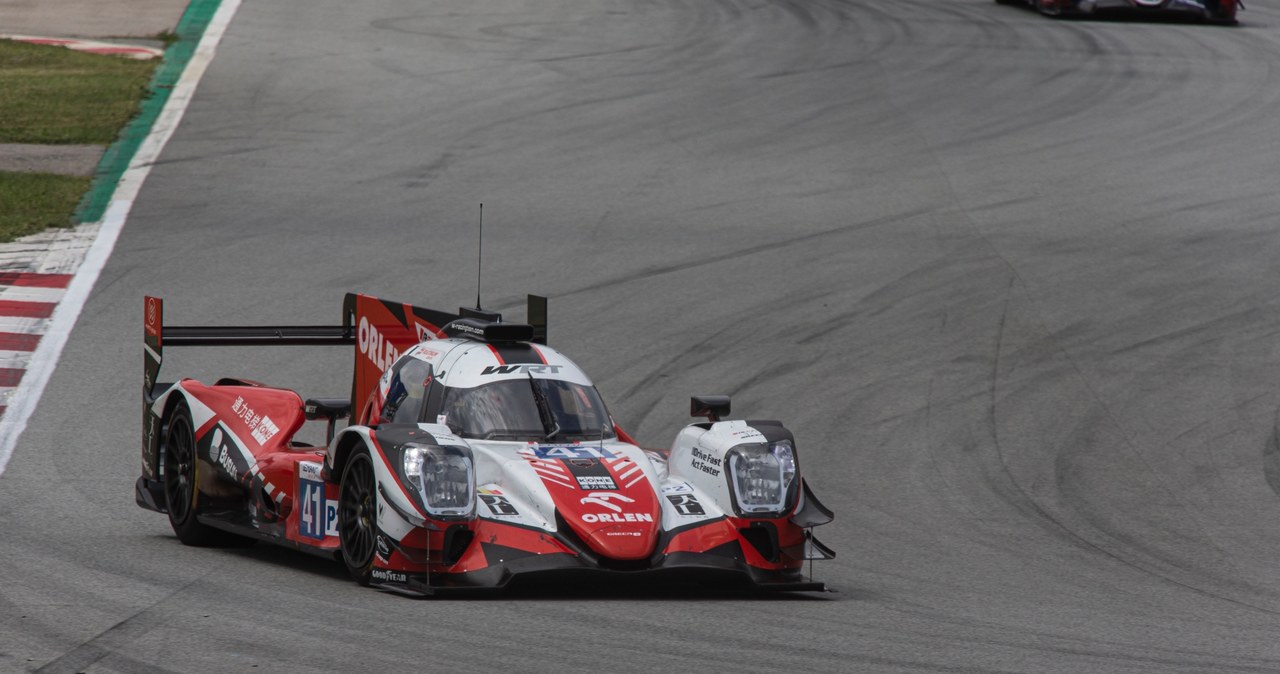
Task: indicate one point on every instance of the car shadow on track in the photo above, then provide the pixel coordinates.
(567, 587)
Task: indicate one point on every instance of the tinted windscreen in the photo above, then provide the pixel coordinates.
(508, 410)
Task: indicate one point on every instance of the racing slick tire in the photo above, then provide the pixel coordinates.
(358, 516)
(1052, 8)
(181, 466)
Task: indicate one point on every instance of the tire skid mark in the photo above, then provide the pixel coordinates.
(106, 644)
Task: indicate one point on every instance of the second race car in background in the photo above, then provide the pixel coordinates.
(1216, 11)
(476, 455)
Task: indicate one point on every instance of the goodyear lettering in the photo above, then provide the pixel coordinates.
(706, 463)
(593, 518)
(384, 576)
(522, 369)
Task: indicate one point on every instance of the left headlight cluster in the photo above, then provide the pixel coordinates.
(763, 477)
(444, 477)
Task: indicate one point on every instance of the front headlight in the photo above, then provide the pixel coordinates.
(762, 477)
(444, 477)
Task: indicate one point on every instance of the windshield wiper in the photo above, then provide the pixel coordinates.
(549, 423)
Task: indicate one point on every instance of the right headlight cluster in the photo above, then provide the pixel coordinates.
(762, 477)
(444, 477)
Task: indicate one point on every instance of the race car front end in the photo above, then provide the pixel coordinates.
(457, 515)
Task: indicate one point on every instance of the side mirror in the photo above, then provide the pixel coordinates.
(710, 407)
(330, 409)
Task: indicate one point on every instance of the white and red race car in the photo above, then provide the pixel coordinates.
(1214, 11)
(476, 455)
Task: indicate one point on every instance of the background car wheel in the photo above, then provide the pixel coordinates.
(358, 516)
(181, 466)
(1049, 7)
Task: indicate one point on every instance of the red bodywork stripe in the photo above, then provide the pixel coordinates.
(496, 354)
(623, 436)
(208, 426)
(539, 352)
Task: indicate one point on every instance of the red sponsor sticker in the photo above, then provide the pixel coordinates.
(152, 325)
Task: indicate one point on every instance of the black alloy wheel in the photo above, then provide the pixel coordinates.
(180, 466)
(358, 516)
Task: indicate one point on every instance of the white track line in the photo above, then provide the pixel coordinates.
(46, 355)
(22, 325)
(31, 294)
(15, 359)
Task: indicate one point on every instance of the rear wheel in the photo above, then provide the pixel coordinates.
(358, 516)
(181, 466)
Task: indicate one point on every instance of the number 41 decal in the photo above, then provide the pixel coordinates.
(318, 517)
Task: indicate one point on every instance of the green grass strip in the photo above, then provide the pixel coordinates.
(117, 157)
(33, 202)
(55, 95)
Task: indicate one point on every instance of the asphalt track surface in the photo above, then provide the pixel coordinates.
(1012, 281)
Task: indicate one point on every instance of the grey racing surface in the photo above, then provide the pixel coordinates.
(1012, 281)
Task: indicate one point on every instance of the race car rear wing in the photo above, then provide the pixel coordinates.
(379, 329)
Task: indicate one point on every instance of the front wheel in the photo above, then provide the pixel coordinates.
(358, 516)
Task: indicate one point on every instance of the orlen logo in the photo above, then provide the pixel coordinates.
(377, 347)
(606, 499)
